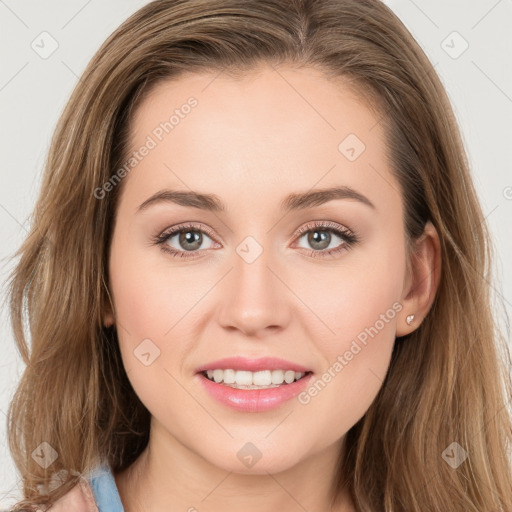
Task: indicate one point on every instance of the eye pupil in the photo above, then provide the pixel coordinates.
(319, 237)
(191, 237)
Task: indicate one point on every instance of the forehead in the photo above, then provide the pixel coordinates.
(264, 100)
(272, 129)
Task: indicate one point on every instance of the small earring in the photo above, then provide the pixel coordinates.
(409, 319)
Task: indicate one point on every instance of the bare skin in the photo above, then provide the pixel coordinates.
(252, 142)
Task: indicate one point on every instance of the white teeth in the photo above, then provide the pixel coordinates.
(229, 376)
(289, 376)
(262, 378)
(277, 376)
(242, 378)
(253, 380)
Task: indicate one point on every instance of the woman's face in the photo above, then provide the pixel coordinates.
(292, 248)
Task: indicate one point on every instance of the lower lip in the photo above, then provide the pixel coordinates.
(254, 400)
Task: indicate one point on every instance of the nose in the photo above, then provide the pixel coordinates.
(254, 299)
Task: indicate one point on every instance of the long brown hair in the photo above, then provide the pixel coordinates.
(447, 382)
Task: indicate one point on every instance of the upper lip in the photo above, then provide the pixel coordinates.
(253, 365)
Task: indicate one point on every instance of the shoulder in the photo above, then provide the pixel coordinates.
(79, 499)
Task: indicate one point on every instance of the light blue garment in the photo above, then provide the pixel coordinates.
(104, 489)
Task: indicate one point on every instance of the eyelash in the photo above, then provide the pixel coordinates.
(348, 237)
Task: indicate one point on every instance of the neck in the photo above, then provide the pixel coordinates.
(169, 476)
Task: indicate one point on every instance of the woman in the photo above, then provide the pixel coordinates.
(257, 276)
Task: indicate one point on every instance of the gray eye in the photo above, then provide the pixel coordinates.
(320, 239)
(188, 240)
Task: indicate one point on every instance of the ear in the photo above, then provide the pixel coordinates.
(421, 281)
(108, 317)
(108, 314)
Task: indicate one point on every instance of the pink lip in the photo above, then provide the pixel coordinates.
(254, 400)
(253, 365)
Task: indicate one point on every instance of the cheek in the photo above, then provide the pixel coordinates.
(149, 297)
(361, 307)
(360, 291)
(147, 310)
(155, 317)
(141, 308)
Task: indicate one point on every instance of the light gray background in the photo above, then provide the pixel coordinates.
(33, 92)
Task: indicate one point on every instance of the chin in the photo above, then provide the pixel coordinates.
(256, 457)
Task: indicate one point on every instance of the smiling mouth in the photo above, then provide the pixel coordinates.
(264, 379)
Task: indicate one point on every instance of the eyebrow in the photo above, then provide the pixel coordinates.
(296, 201)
